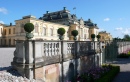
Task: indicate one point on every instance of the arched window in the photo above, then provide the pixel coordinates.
(9, 31)
(13, 30)
(51, 31)
(1, 30)
(5, 32)
(22, 28)
(44, 31)
(36, 27)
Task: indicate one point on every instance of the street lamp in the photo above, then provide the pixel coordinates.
(93, 38)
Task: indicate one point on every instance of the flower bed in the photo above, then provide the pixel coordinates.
(106, 73)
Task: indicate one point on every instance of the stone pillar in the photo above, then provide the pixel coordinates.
(23, 58)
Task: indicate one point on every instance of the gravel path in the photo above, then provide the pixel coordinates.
(7, 73)
(124, 75)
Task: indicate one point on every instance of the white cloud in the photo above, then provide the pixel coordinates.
(3, 10)
(2, 22)
(123, 31)
(119, 29)
(100, 29)
(120, 19)
(126, 31)
(107, 19)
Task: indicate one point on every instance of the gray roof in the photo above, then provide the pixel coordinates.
(63, 14)
(90, 24)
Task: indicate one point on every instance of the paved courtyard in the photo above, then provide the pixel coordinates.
(6, 56)
(124, 75)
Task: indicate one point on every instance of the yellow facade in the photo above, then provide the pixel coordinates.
(43, 30)
(105, 36)
(93, 30)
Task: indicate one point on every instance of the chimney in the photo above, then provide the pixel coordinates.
(10, 24)
(47, 12)
(64, 8)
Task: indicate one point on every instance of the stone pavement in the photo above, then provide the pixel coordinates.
(124, 75)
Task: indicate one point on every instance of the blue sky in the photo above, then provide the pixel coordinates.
(112, 16)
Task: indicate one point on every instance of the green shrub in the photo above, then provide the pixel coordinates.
(29, 27)
(109, 76)
(92, 35)
(123, 55)
(98, 36)
(61, 31)
(128, 53)
(74, 33)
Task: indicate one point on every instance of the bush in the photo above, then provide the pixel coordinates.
(29, 27)
(108, 77)
(123, 55)
(74, 33)
(106, 73)
(61, 31)
(98, 36)
(92, 35)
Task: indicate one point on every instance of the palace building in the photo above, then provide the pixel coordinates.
(45, 28)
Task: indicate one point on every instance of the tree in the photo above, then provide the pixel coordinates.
(61, 32)
(98, 37)
(29, 27)
(126, 37)
(93, 37)
(74, 33)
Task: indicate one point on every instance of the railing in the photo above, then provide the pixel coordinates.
(48, 52)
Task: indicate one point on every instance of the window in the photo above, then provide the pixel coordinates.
(5, 32)
(5, 41)
(102, 37)
(22, 28)
(14, 30)
(1, 42)
(44, 31)
(36, 27)
(1, 30)
(9, 31)
(85, 36)
(67, 33)
(51, 30)
(14, 42)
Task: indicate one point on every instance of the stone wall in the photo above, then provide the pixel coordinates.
(55, 61)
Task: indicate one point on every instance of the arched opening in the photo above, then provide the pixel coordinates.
(44, 31)
(51, 31)
(71, 72)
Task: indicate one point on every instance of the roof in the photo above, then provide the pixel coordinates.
(62, 14)
(90, 24)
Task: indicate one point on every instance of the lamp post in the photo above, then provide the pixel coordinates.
(98, 38)
(93, 38)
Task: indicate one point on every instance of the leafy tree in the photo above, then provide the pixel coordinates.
(74, 32)
(29, 27)
(93, 37)
(61, 31)
(126, 37)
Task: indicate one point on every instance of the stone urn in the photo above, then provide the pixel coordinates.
(29, 35)
(61, 37)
